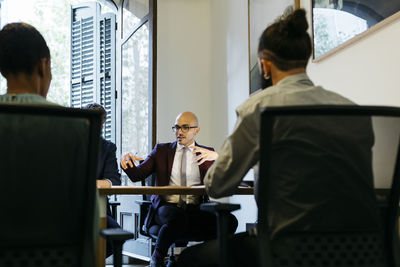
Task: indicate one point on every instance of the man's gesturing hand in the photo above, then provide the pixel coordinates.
(203, 154)
(128, 159)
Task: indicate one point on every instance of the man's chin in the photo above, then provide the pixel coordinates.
(182, 142)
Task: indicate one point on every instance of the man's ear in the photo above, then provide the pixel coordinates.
(197, 130)
(44, 75)
(42, 66)
(266, 66)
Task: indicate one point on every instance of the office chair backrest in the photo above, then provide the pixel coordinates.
(319, 166)
(48, 164)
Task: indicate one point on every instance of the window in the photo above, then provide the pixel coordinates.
(50, 18)
(137, 72)
(135, 93)
(334, 27)
(113, 65)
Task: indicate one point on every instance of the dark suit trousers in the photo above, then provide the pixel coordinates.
(191, 224)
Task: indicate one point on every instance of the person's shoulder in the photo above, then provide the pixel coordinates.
(254, 101)
(26, 99)
(107, 143)
(331, 97)
(162, 146)
(206, 147)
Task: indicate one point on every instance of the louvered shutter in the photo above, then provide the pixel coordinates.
(93, 61)
(84, 53)
(107, 72)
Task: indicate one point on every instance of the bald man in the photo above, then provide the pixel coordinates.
(182, 163)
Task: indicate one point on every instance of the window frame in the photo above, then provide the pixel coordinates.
(151, 19)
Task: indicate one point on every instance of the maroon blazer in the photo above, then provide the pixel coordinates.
(159, 163)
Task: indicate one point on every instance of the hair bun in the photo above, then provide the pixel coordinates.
(296, 23)
(287, 40)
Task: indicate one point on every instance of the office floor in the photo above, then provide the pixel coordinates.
(128, 262)
(131, 265)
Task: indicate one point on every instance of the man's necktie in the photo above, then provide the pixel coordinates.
(182, 198)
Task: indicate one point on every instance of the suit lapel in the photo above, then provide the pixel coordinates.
(170, 157)
(201, 168)
(170, 161)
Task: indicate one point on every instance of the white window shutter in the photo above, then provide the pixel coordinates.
(83, 53)
(106, 74)
(93, 61)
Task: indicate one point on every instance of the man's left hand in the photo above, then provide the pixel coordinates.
(203, 154)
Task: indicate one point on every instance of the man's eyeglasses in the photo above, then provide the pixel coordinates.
(183, 128)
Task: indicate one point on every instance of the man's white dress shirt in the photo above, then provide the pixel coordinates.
(192, 174)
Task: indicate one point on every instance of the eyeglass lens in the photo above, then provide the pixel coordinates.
(183, 128)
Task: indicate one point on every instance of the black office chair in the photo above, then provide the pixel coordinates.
(48, 166)
(356, 243)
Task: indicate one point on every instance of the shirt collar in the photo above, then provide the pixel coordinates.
(300, 77)
(179, 147)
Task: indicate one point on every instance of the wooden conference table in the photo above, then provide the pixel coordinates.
(105, 189)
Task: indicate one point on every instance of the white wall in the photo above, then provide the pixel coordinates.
(230, 63)
(183, 68)
(367, 71)
(202, 65)
(230, 80)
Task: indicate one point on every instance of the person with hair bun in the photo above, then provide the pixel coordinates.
(285, 48)
(283, 53)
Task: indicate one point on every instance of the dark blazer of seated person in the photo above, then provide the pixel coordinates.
(164, 162)
(108, 166)
(107, 169)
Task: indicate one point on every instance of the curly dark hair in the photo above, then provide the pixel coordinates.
(21, 48)
(95, 106)
(286, 42)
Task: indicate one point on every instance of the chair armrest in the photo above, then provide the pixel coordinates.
(222, 210)
(219, 207)
(143, 202)
(118, 237)
(117, 234)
